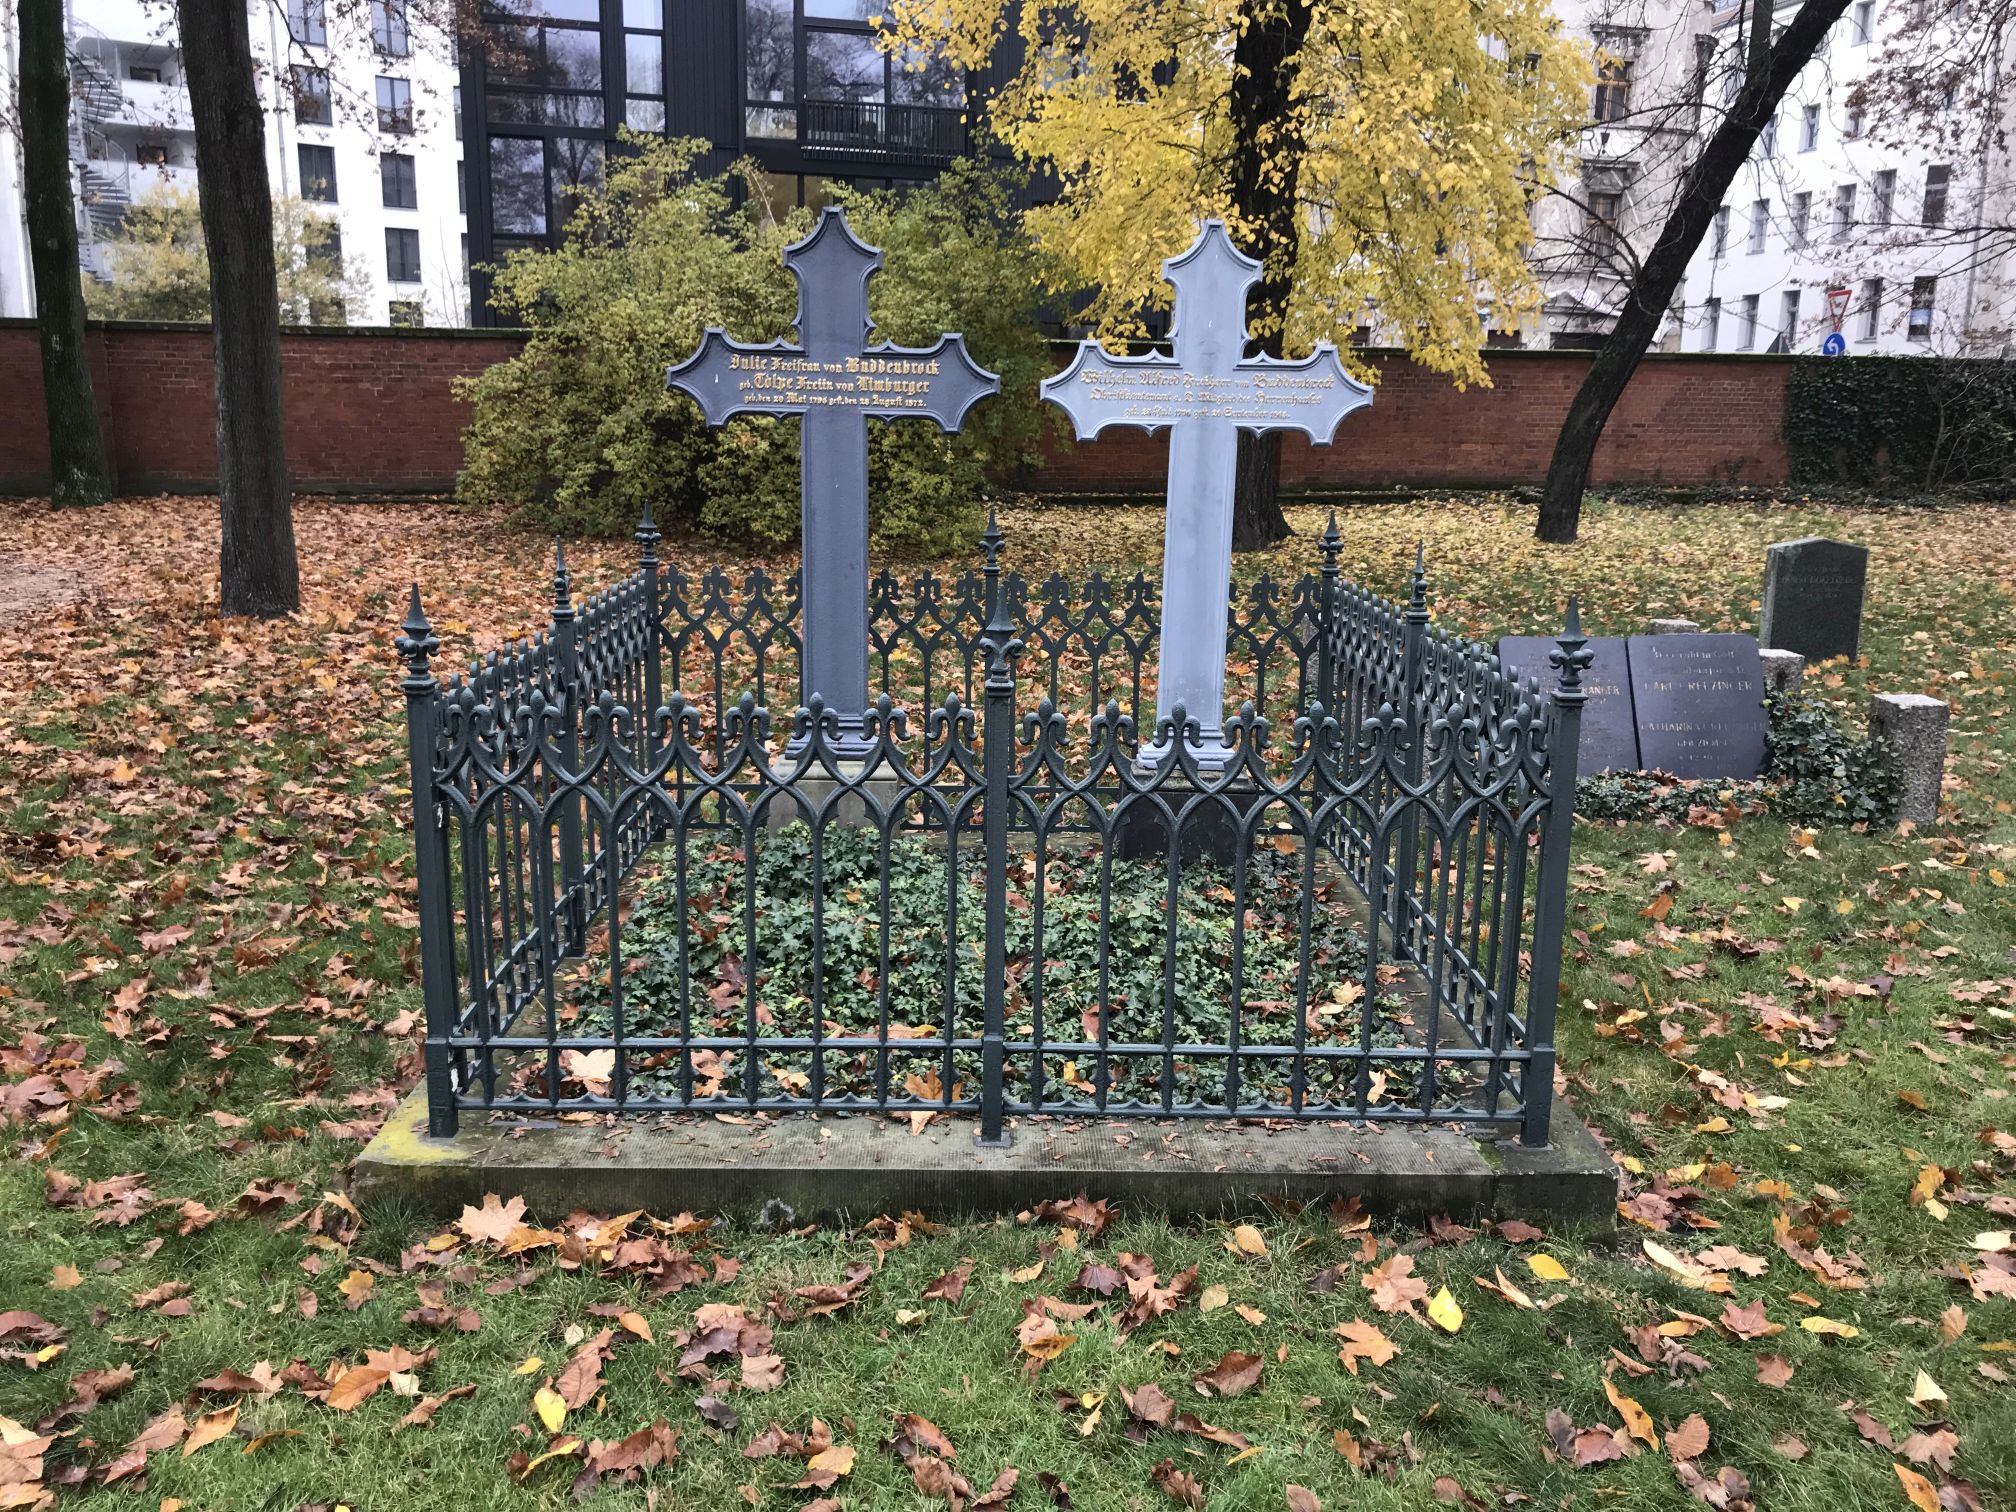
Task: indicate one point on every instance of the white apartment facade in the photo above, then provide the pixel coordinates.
(362, 125)
(1826, 203)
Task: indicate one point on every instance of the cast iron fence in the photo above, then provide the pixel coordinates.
(640, 890)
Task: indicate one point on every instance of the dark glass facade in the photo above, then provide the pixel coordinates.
(797, 85)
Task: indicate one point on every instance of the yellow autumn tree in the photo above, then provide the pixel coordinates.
(1378, 156)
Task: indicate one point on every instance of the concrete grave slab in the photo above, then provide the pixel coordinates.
(855, 1166)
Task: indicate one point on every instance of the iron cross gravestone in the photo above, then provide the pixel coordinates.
(1206, 393)
(835, 382)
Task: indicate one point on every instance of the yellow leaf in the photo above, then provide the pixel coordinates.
(558, 1449)
(1546, 1267)
(209, 1428)
(1443, 1311)
(911, 1317)
(1819, 1325)
(529, 1366)
(551, 1407)
(637, 1324)
(1214, 1298)
(64, 1277)
(1919, 1489)
(1925, 1391)
(1028, 1272)
(1246, 1240)
(1637, 1421)
(839, 1460)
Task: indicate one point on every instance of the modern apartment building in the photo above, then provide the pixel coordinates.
(1903, 233)
(362, 125)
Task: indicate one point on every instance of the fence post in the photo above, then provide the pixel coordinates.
(647, 566)
(1550, 911)
(417, 643)
(1326, 618)
(998, 755)
(1414, 641)
(567, 666)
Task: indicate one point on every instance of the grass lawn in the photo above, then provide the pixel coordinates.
(1802, 1057)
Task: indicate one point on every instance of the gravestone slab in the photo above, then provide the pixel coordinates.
(1700, 704)
(835, 382)
(1813, 590)
(1609, 725)
(1913, 725)
(1204, 393)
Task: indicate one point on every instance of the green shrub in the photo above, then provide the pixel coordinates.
(1906, 425)
(1814, 773)
(579, 431)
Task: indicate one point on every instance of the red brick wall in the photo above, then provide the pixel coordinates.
(371, 411)
(367, 410)
(1691, 419)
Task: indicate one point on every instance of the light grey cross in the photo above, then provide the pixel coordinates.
(835, 382)
(1205, 394)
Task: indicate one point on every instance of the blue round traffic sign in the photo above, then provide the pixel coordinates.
(1834, 345)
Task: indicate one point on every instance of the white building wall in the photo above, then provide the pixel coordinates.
(1879, 251)
(124, 123)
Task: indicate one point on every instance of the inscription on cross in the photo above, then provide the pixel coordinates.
(836, 382)
(1206, 393)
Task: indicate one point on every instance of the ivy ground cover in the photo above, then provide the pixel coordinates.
(1796, 1039)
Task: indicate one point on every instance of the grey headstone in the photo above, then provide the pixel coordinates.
(1609, 727)
(1784, 671)
(1700, 704)
(1913, 725)
(1813, 591)
(1205, 394)
(835, 381)
(1675, 627)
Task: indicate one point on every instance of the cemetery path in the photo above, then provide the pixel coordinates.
(1797, 1038)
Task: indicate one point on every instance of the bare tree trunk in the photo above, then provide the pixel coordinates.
(78, 470)
(1708, 178)
(1264, 173)
(257, 566)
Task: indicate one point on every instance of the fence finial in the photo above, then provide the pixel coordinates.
(1570, 656)
(1417, 589)
(563, 604)
(646, 536)
(417, 641)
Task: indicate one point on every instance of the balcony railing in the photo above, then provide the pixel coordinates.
(912, 131)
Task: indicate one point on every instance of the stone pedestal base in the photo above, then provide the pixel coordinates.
(1210, 832)
(1675, 627)
(1784, 671)
(850, 809)
(1914, 727)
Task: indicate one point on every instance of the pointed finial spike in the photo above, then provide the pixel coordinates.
(1574, 616)
(416, 617)
(1420, 556)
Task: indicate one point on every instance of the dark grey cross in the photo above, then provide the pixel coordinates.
(835, 381)
(1205, 394)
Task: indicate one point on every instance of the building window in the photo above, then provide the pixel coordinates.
(153, 154)
(1863, 27)
(307, 22)
(518, 186)
(1872, 307)
(461, 188)
(1760, 224)
(813, 73)
(1604, 210)
(1711, 324)
(1923, 292)
(1809, 128)
(311, 96)
(1802, 212)
(1746, 323)
(1851, 126)
(1885, 189)
(548, 72)
(140, 74)
(388, 28)
(1767, 139)
(402, 255)
(395, 105)
(318, 172)
(1844, 211)
(1720, 242)
(395, 179)
(457, 108)
(406, 312)
(1788, 321)
(1936, 179)
(1613, 89)
(322, 245)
